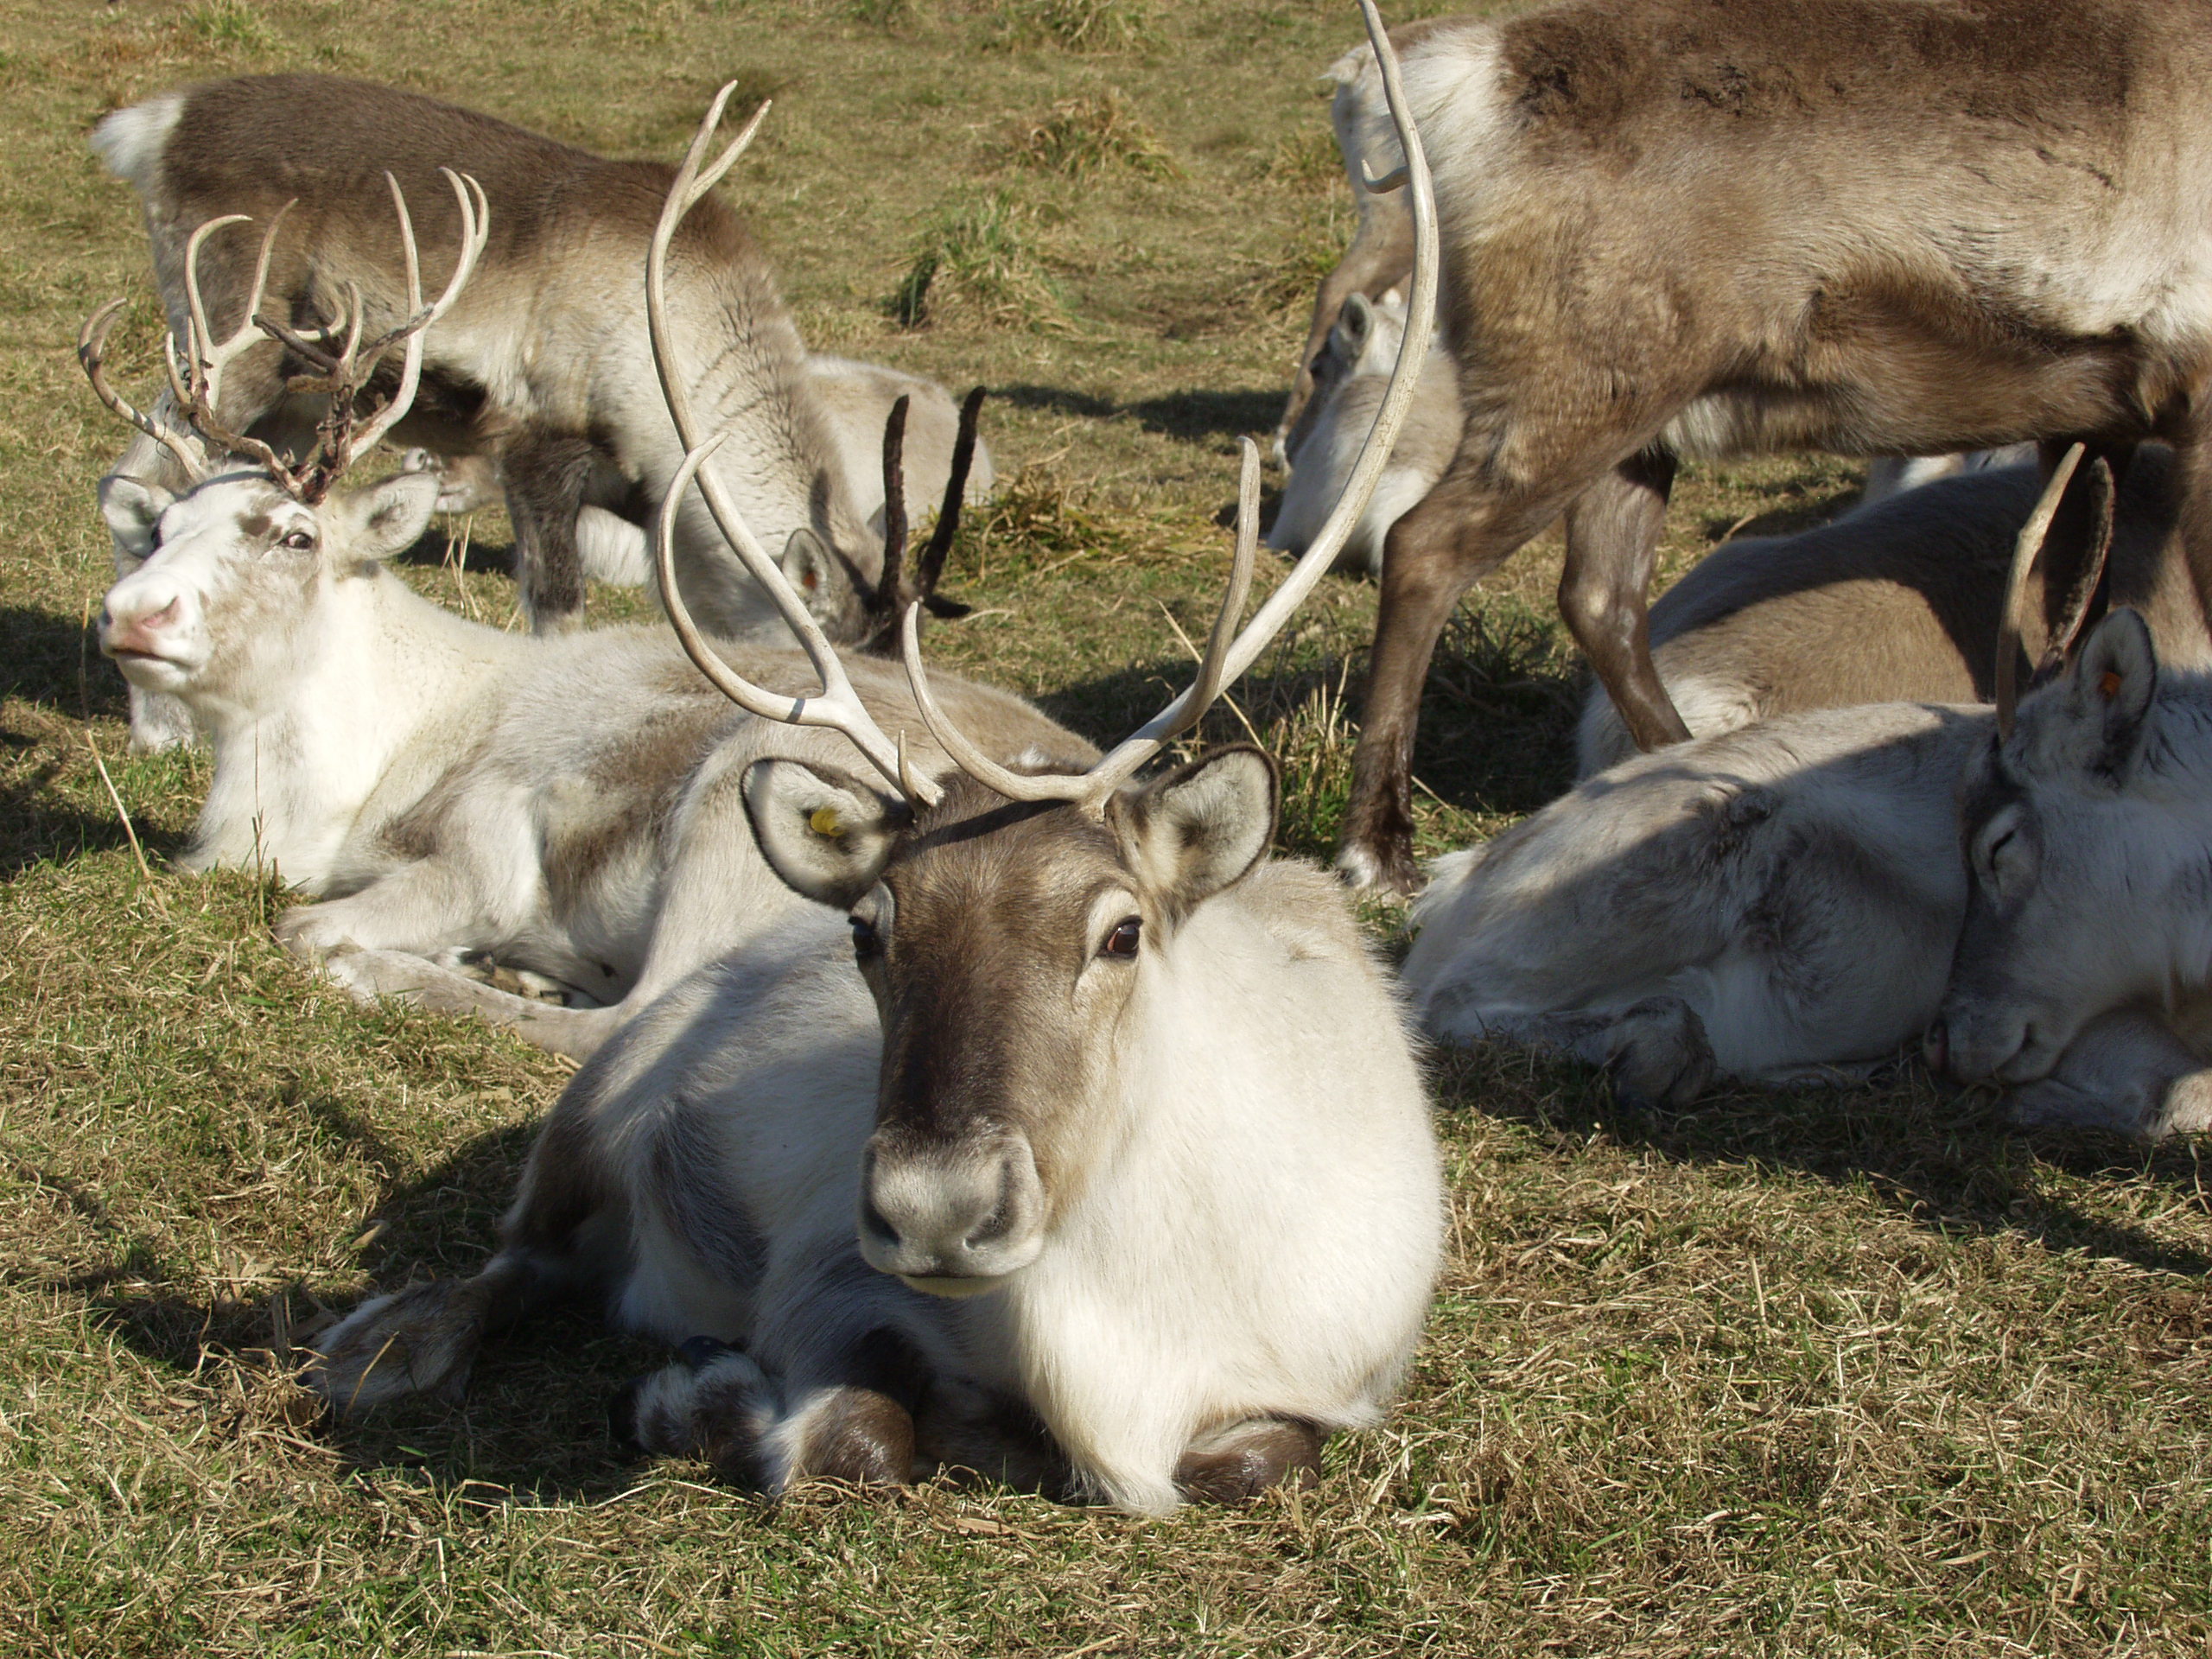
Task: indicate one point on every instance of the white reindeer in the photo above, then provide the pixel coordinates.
(1774, 903)
(1350, 375)
(564, 804)
(2088, 837)
(1109, 1171)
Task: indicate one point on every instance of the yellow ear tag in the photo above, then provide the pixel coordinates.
(2108, 684)
(825, 821)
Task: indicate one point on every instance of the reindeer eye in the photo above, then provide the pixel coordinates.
(300, 541)
(1122, 941)
(867, 942)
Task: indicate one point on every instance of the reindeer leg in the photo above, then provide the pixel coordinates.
(2127, 1073)
(1461, 530)
(1236, 1464)
(560, 1238)
(854, 1423)
(547, 475)
(1613, 539)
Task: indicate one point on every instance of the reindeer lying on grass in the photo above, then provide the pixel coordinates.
(567, 805)
(1109, 1170)
(1780, 901)
(1902, 601)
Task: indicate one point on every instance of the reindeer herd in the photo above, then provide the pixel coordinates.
(950, 1094)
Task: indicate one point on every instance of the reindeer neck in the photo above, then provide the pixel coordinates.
(381, 670)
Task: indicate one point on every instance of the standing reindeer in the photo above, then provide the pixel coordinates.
(1873, 227)
(438, 784)
(857, 397)
(1109, 1170)
(543, 365)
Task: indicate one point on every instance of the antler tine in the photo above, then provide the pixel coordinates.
(196, 374)
(2024, 558)
(1181, 715)
(836, 694)
(1015, 785)
(91, 344)
(475, 236)
(835, 707)
(890, 586)
(1321, 554)
(931, 567)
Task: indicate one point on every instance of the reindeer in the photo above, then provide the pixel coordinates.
(1901, 602)
(2085, 907)
(856, 398)
(2009, 245)
(1350, 374)
(1124, 1110)
(1381, 252)
(438, 784)
(1778, 903)
(541, 368)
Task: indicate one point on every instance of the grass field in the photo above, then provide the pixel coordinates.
(1836, 1373)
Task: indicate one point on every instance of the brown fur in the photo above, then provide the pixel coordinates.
(554, 307)
(1854, 223)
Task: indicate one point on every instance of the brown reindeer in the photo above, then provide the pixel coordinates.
(542, 366)
(1675, 228)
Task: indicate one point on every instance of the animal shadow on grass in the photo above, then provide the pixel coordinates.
(1944, 1159)
(533, 1420)
(54, 661)
(1190, 415)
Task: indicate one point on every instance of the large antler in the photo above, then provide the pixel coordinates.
(196, 369)
(836, 705)
(1226, 657)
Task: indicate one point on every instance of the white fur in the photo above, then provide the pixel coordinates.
(1255, 1237)
(352, 720)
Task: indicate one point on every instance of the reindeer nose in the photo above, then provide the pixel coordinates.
(954, 1219)
(138, 631)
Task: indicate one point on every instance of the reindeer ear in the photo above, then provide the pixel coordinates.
(388, 518)
(1192, 833)
(2110, 692)
(1355, 323)
(825, 833)
(808, 567)
(133, 510)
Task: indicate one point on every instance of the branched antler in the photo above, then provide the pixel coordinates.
(196, 370)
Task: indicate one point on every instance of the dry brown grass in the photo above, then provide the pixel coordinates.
(1834, 1374)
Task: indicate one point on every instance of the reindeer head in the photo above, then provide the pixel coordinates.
(221, 582)
(229, 575)
(2083, 859)
(1009, 944)
(1019, 925)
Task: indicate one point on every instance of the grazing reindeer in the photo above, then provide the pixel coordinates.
(1110, 1169)
(542, 366)
(1901, 602)
(1777, 903)
(1351, 374)
(2087, 911)
(2010, 242)
(1381, 256)
(857, 399)
(440, 785)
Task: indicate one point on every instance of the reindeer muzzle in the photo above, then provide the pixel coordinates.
(954, 1221)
